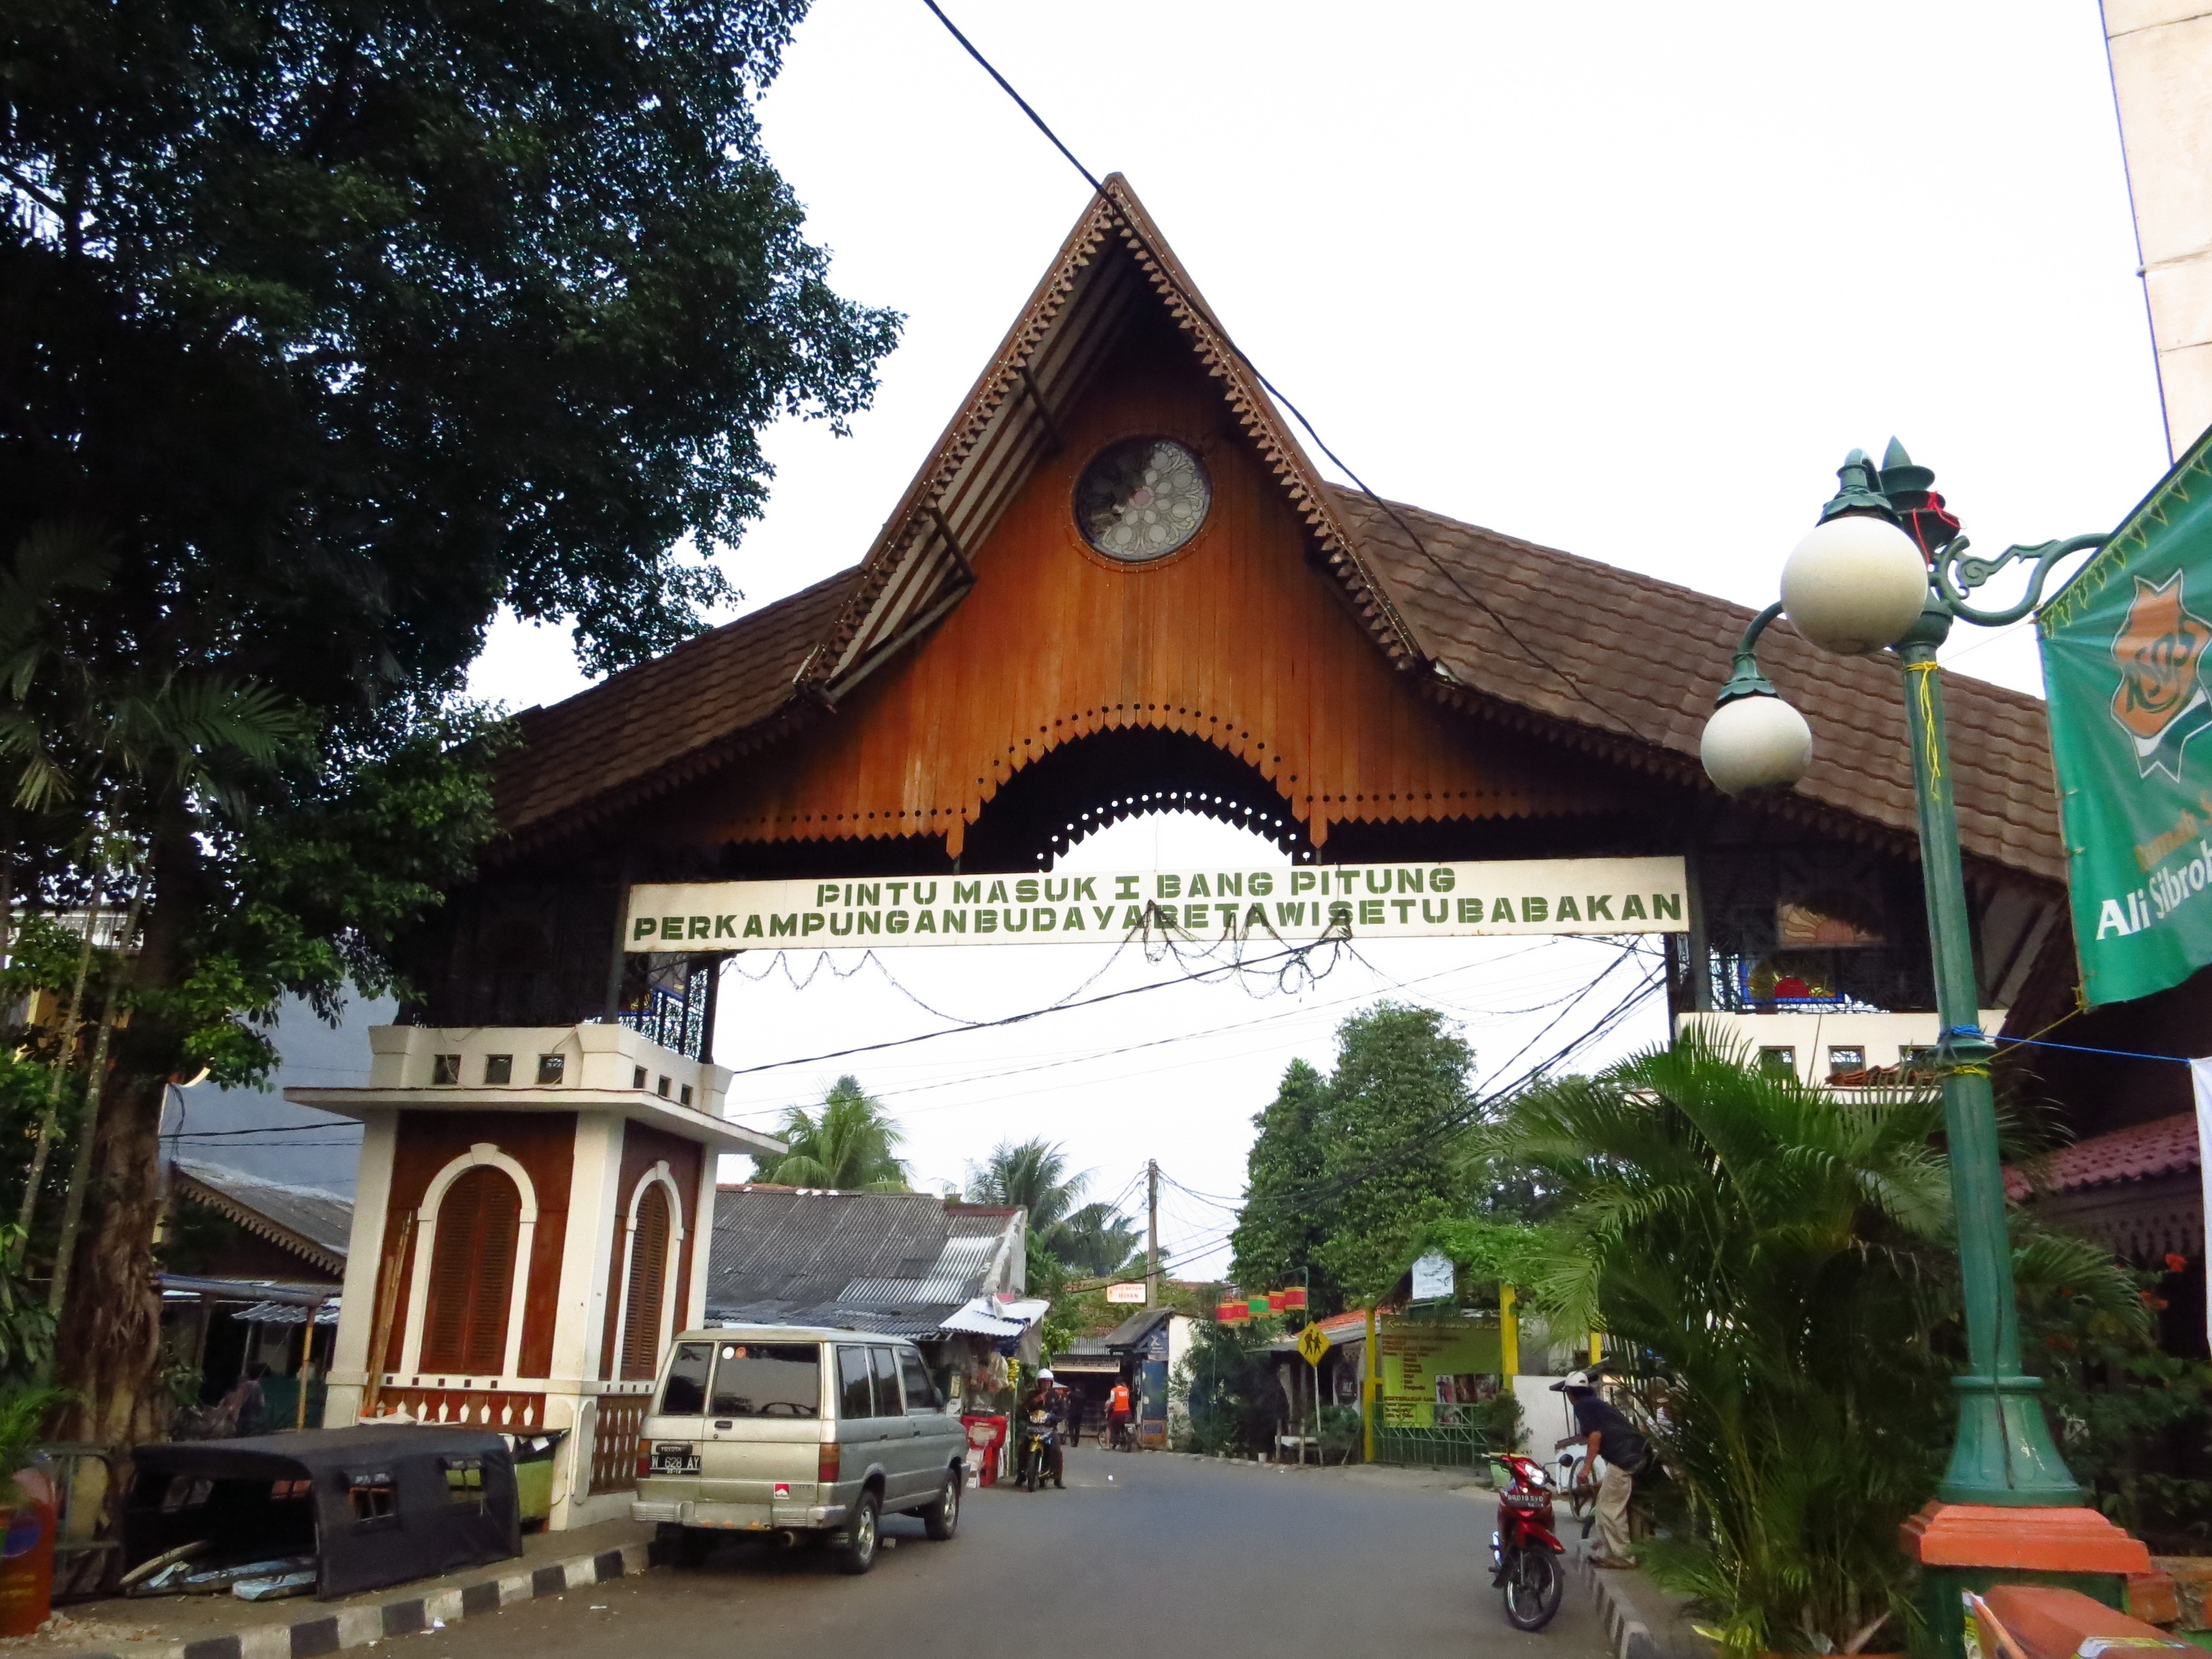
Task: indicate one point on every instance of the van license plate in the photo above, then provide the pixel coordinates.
(675, 1458)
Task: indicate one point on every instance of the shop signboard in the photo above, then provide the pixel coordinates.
(1425, 1361)
(1291, 905)
(1433, 1277)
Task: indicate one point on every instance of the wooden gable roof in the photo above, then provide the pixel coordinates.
(1620, 665)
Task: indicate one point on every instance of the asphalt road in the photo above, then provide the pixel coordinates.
(1145, 1554)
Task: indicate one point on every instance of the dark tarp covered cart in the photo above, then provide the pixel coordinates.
(374, 1506)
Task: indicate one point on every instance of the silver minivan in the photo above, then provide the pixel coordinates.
(804, 1430)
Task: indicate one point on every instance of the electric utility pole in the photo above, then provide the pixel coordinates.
(1152, 1232)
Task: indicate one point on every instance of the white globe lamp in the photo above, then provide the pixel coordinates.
(1855, 584)
(1757, 742)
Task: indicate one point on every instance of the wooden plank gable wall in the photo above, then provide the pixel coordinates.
(1235, 639)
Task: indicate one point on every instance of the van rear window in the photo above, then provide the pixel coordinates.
(684, 1394)
(767, 1379)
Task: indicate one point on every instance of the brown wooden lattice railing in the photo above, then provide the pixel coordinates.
(614, 1442)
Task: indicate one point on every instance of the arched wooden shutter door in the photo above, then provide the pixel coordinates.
(472, 1275)
(648, 1285)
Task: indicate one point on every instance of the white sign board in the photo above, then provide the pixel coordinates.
(1433, 1277)
(1132, 1293)
(1291, 904)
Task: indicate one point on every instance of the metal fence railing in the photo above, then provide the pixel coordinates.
(1447, 1446)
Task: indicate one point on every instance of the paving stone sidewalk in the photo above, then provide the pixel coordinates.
(224, 1627)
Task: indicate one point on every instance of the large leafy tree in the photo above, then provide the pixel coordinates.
(1287, 1213)
(848, 1143)
(327, 330)
(1397, 1102)
(1347, 1171)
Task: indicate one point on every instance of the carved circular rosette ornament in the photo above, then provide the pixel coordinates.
(1142, 499)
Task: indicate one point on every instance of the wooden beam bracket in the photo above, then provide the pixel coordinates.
(952, 541)
(1037, 398)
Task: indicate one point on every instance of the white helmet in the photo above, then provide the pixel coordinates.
(1574, 1382)
(1045, 1376)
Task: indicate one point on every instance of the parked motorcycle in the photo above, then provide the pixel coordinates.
(1525, 1552)
(1039, 1437)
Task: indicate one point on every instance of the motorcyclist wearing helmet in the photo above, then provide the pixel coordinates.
(1044, 1397)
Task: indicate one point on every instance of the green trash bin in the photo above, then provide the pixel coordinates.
(534, 1456)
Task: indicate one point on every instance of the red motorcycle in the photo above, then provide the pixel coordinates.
(1524, 1551)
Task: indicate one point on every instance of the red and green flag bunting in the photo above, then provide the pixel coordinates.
(1259, 1305)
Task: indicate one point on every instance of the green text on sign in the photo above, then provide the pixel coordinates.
(1296, 905)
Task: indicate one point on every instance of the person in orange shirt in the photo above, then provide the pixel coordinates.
(1117, 1413)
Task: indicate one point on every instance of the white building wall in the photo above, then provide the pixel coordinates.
(364, 1257)
(1884, 1038)
(2161, 52)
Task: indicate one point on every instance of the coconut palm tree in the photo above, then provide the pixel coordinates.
(1775, 1264)
(850, 1144)
(1032, 1174)
(1095, 1240)
(1090, 1238)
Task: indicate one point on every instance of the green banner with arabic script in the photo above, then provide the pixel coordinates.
(2123, 663)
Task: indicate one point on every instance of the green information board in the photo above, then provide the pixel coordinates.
(2124, 662)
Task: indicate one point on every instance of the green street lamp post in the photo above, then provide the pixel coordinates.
(1885, 566)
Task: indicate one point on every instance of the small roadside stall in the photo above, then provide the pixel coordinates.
(1139, 1351)
(333, 1511)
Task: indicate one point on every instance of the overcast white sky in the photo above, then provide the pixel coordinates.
(1625, 280)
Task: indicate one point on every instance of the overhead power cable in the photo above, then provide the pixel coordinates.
(1461, 1116)
(1091, 1056)
(1275, 392)
(1295, 954)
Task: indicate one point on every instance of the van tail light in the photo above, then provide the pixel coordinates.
(644, 1458)
(827, 1464)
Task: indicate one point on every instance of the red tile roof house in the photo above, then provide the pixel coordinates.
(2139, 1191)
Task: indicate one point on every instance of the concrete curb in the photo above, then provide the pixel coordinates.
(353, 1627)
(1626, 1631)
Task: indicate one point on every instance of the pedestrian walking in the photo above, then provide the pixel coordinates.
(1608, 1435)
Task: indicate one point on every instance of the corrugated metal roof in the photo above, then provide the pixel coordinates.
(961, 1265)
(887, 1261)
(314, 1224)
(1136, 1327)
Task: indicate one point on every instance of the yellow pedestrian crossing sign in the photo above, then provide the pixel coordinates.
(1313, 1343)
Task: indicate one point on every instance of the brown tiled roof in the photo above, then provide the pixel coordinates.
(1630, 660)
(2166, 1146)
(661, 721)
(1623, 663)
(1635, 662)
